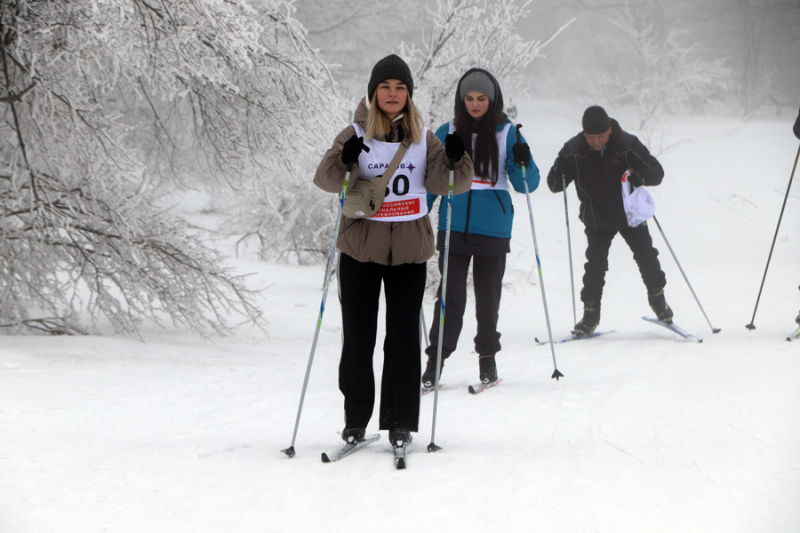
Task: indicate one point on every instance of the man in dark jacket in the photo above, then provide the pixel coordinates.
(596, 160)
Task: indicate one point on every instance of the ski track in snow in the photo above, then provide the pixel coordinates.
(645, 431)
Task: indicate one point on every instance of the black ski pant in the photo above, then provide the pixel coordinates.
(359, 294)
(645, 255)
(487, 279)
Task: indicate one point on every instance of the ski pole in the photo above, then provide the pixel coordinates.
(569, 250)
(423, 328)
(331, 255)
(432, 447)
(751, 325)
(556, 374)
(713, 329)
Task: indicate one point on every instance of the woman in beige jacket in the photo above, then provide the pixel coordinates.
(389, 248)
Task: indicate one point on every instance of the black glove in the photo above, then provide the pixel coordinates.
(635, 179)
(352, 149)
(522, 153)
(453, 147)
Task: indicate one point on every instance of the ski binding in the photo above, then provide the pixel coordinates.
(400, 457)
(426, 390)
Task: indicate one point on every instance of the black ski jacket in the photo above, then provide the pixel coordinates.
(597, 175)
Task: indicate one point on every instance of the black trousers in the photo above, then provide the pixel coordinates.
(359, 294)
(645, 255)
(487, 279)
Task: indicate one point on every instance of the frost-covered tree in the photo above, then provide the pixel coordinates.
(653, 68)
(465, 34)
(107, 103)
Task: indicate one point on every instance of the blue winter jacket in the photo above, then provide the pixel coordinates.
(487, 211)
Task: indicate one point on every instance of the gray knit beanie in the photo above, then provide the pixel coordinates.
(390, 67)
(476, 81)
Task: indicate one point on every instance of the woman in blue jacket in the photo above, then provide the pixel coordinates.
(481, 219)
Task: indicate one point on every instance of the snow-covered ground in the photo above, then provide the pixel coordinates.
(645, 432)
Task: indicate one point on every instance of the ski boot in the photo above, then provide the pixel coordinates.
(590, 320)
(659, 306)
(353, 435)
(399, 437)
(488, 368)
(429, 376)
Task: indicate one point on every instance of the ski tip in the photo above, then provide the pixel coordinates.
(472, 390)
(289, 451)
(400, 464)
(325, 458)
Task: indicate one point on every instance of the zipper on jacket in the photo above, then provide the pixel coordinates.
(469, 210)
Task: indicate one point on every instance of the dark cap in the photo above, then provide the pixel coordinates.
(595, 120)
(390, 67)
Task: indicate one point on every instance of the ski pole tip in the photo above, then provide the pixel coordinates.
(715, 330)
(751, 326)
(433, 448)
(556, 375)
(289, 451)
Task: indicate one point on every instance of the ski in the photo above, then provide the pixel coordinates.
(574, 337)
(349, 449)
(674, 328)
(400, 457)
(480, 387)
(794, 336)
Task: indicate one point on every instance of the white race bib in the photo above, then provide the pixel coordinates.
(406, 197)
(484, 182)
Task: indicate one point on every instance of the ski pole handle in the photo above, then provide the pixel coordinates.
(519, 140)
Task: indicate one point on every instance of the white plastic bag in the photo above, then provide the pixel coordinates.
(639, 205)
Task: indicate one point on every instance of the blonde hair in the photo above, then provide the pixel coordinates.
(379, 125)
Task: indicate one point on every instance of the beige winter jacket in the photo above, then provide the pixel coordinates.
(390, 243)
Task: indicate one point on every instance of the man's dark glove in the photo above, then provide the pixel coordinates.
(635, 179)
(352, 149)
(453, 147)
(522, 153)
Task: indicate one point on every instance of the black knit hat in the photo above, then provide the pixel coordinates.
(390, 68)
(595, 120)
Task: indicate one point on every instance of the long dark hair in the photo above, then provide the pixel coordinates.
(485, 155)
